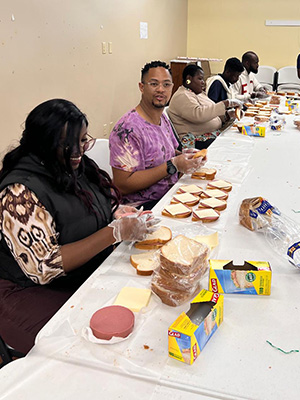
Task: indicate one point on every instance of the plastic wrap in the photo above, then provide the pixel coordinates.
(282, 233)
(182, 263)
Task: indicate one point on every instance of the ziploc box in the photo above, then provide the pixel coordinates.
(254, 130)
(254, 277)
(192, 330)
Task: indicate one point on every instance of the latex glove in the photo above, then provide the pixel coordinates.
(133, 227)
(233, 103)
(186, 164)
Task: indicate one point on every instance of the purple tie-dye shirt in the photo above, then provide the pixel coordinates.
(136, 145)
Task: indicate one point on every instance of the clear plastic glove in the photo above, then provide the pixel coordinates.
(134, 227)
(187, 164)
(261, 94)
(124, 210)
(233, 103)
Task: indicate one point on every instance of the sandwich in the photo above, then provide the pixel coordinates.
(155, 239)
(220, 184)
(205, 173)
(216, 193)
(262, 118)
(212, 202)
(177, 211)
(144, 263)
(205, 215)
(193, 189)
(238, 113)
(202, 153)
(185, 198)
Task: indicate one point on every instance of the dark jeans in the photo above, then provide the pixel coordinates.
(24, 311)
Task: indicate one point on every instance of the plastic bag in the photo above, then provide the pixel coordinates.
(182, 263)
(282, 233)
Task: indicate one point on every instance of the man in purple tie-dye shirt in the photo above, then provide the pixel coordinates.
(143, 145)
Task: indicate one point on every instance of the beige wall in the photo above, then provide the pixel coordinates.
(228, 28)
(53, 49)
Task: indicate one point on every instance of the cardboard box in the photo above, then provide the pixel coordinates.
(254, 131)
(254, 277)
(191, 331)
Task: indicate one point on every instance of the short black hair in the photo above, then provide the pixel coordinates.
(154, 64)
(248, 56)
(190, 69)
(233, 65)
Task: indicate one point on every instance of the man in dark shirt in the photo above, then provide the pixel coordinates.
(218, 86)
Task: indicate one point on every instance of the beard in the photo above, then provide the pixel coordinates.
(159, 105)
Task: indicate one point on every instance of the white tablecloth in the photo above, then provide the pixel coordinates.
(237, 363)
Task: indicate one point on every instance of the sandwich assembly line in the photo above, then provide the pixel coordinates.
(201, 290)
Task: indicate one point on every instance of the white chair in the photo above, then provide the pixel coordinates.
(288, 79)
(267, 76)
(100, 154)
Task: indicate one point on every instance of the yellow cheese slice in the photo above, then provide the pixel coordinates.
(214, 193)
(208, 212)
(212, 240)
(190, 189)
(176, 209)
(212, 202)
(220, 183)
(133, 298)
(185, 197)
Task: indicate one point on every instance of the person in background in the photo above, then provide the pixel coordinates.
(197, 119)
(298, 66)
(218, 87)
(143, 146)
(56, 219)
(247, 87)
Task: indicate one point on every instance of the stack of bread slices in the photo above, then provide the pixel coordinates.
(182, 263)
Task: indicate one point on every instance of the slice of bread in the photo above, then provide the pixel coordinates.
(205, 173)
(177, 211)
(193, 189)
(220, 184)
(183, 255)
(185, 198)
(202, 153)
(156, 239)
(206, 215)
(212, 202)
(238, 113)
(144, 263)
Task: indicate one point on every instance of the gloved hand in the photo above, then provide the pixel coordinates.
(134, 227)
(233, 103)
(186, 164)
(124, 210)
(261, 94)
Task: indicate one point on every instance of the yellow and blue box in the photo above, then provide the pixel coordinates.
(254, 130)
(254, 277)
(192, 330)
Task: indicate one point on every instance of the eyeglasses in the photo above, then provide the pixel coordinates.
(155, 85)
(89, 144)
(86, 146)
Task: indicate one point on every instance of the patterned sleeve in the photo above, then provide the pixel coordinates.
(125, 148)
(30, 233)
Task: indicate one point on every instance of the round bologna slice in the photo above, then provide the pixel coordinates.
(112, 321)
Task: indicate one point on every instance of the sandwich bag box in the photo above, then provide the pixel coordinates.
(254, 277)
(254, 131)
(190, 332)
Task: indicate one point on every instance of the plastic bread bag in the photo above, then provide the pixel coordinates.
(282, 233)
(170, 296)
(183, 255)
(182, 263)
